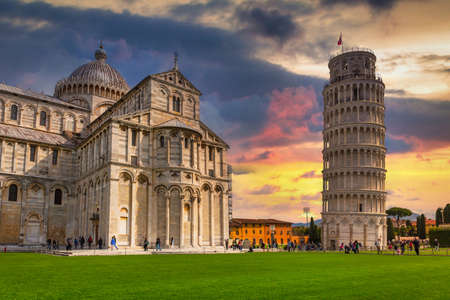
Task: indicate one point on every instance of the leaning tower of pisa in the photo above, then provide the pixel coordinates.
(353, 198)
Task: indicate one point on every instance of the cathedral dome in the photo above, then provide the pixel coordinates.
(94, 78)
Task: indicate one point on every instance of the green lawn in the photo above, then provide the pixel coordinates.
(231, 276)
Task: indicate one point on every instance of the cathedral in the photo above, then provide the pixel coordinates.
(100, 159)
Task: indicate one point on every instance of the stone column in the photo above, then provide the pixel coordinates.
(194, 222)
(133, 225)
(168, 149)
(181, 218)
(182, 149)
(200, 220)
(149, 212)
(212, 199)
(167, 218)
(365, 236)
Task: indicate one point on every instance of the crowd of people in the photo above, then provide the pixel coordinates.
(399, 247)
(76, 243)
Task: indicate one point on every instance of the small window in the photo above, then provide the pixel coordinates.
(254, 232)
(161, 141)
(13, 112)
(211, 173)
(134, 160)
(237, 232)
(43, 118)
(12, 193)
(55, 157)
(281, 232)
(58, 197)
(133, 137)
(186, 143)
(260, 232)
(246, 231)
(32, 153)
(360, 207)
(210, 156)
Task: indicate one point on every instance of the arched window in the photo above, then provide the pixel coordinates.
(43, 118)
(176, 104)
(58, 197)
(123, 224)
(13, 112)
(161, 141)
(12, 192)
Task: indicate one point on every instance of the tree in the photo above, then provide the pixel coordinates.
(447, 214)
(439, 219)
(314, 233)
(421, 222)
(398, 212)
(390, 230)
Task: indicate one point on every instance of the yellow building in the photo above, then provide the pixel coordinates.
(256, 231)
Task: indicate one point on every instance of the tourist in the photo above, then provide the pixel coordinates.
(100, 243)
(402, 247)
(171, 242)
(436, 246)
(226, 244)
(158, 244)
(263, 246)
(114, 243)
(416, 246)
(145, 244)
(82, 242)
(68, 245)
(378, 246)
(410, 246)
(341, 247)
(347, 249)
(49, 244)
(75, 242)
(54, 244)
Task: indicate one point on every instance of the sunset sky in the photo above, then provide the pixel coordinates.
(261, 66)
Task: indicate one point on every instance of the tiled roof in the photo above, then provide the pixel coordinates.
(33, 135)
(177, 124)
(37, 96)
(239, 221)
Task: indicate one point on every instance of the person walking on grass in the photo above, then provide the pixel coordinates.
(416, 246)
(378, 246)
(114, 243)
(402, 247)
(436, 246)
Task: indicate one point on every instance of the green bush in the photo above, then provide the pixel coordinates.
(442, 234)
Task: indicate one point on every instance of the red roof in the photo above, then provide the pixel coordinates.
(237, 222)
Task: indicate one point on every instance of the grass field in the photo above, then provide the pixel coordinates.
(230, 276)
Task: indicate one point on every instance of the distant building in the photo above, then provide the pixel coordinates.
(256, 231)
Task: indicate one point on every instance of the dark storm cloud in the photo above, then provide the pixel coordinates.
(218, 62)
(195, 9)
(375, 4)
(423, 119)
(270, 23)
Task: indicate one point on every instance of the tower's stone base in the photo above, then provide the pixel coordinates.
(366, 228)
